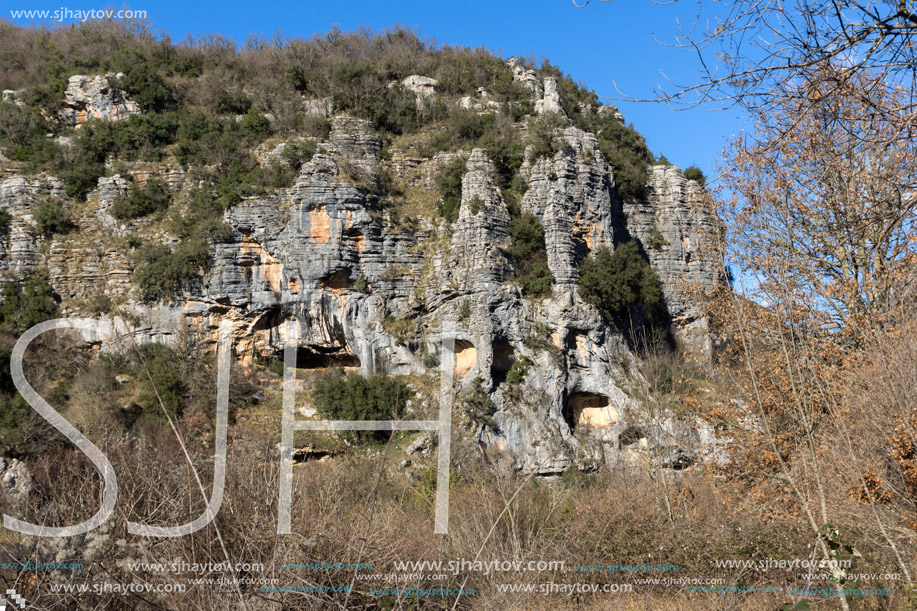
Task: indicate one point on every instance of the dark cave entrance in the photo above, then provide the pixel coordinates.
(310, 357)
(504, 357)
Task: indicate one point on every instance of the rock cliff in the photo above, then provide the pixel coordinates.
(326, 254)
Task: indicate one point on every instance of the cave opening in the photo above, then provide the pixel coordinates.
(589, 410)
(504, 358)
(317, 358)
(466, 356)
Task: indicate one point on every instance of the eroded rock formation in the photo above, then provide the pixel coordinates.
(324, 255)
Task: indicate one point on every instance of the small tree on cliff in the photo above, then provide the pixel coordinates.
(623, 286)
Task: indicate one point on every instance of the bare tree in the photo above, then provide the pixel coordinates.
(753, 53)
(826, 210)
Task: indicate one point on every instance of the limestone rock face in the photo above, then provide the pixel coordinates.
(357, 147)
(550, 102)
(527, 78)
(93, 97)
(544, 94)
(676, 232)
(571, 193)
(19, 197)
(323, 265)
(421, 86)
(320, 107)
(613, 112)
(16, 481)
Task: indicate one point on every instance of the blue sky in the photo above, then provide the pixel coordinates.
(603, 44)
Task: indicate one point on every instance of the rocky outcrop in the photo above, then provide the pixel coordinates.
(550, 101)
(19, 197)
(11, 96)
(94, 97)
(322, 265)
(544, 94)
(611, 111)
(320, 107)
(571, 193)
(356, 146)
(422, 86)
(527, 78)
(16, 482)
(677, 233)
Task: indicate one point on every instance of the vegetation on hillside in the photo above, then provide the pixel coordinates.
(623, 286)
(527, 248)
(351, 396)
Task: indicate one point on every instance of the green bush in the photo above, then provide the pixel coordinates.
(5, 218)
(362, 88)
(159, 364)
(623, 286)
(27, 304)
(449, 183)
(51, 218)
(527, 248)
(354, 397)
(139, 202)
(542, 138)
(14, 411)
(219, 141)
(477, 405)
(298, 154)
(627, 153)
(573, 478)
(24, 306)
(82, 177)
(160, 271)
(138, 137)
(694, 173)
(465, 125)
(255, 126)
(655, 240)
(505, 149)
(283, 175)
(232, 103)
(476, 205)
(146, 86)
(519, 370)
(23, 135)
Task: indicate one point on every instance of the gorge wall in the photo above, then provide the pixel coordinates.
(368, 290)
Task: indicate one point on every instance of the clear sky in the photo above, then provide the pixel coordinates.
(604, 44)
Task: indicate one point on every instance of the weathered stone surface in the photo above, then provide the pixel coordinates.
(321, 264)
(11, 96)
(110, 190)
(87, 273)
(16, 481)
(527, 78)
(683, 259)
(613, 112)
(93, 97)
(356, 145)
(571, 193)
(550, 102)
(19, 197)
(422, 86)
(320, 107)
